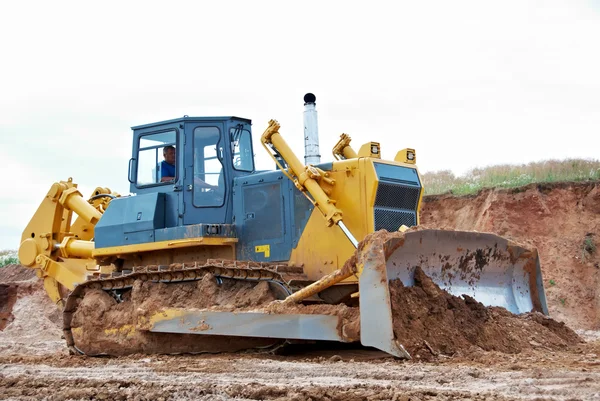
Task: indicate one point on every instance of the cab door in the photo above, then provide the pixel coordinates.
(149, 145)
(206, 189)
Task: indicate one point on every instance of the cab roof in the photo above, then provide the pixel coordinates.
(187, 119)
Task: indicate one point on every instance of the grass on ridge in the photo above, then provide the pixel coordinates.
(8, 257)
(511, 176)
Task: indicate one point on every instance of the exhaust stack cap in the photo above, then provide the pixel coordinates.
(311, 131)
(309, 98)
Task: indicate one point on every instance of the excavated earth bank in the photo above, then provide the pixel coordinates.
(561, 220)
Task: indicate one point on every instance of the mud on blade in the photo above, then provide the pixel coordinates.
(489, 268)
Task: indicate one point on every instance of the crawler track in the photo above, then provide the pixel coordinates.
(284, 280)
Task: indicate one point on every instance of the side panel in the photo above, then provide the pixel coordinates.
(262, 217)
(131, 220)
(323, 249)
(270, 215)
(302, 210)
(196, 231)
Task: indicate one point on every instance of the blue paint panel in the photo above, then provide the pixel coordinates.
(144, 212)
(260, 216)
(140, 237)
(171, 208)
(131, 220)
(268, 210)
(397, 174)
(192, 231)
(302, 209)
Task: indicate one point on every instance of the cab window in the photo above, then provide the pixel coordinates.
(156, 158)
(209, 179)
(241, 148)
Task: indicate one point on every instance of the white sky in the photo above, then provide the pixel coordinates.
(466, 83)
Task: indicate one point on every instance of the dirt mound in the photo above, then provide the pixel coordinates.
(12, 273)
(561, 220)
(429, 321)
(31, 323)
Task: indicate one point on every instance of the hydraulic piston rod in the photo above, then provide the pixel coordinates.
(348, 233)
(306, 179)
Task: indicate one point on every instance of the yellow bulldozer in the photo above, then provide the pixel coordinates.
(208, 254)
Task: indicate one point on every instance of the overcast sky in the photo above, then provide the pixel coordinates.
(466, 83)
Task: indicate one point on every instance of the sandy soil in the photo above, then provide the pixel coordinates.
(33, 325)
(544, 363)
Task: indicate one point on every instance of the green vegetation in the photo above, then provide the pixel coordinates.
(552, 282)
(8, 258)
(588, 247)
(511, 176)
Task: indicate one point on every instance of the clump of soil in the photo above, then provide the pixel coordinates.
(429, 321)
(8, 297)
(230, 295)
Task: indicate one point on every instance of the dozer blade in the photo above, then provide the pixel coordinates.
(491, 269)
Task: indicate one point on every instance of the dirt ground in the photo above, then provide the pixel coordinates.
(548, 362)
(316, 375)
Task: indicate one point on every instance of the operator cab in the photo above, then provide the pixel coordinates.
(209, 153)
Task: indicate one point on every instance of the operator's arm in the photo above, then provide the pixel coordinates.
(167, 172)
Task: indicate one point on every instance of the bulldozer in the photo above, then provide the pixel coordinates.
(304, 252)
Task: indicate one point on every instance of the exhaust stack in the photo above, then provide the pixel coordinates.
(311, 131)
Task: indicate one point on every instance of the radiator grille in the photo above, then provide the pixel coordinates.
(397, 196)
(391, 220)
(395, 205)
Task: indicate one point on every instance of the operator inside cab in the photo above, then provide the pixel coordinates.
(167, 166)
(167, 169)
